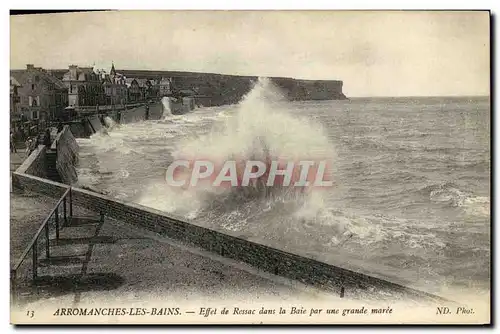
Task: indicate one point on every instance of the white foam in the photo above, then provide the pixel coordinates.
(471, 204)
(477, 206)
(109, 122)
(259, 127)
(167, 112)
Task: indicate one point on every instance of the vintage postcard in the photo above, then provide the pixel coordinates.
(250, 167)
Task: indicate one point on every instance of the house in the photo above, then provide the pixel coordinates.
(134, 90)
(154, 85)
(84, 87)
(115, 87)
(14, 96)
(40, 94)
(147, 89)
(164, 87)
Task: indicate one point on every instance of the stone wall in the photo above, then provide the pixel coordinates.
(305, 270)
(36, 163)
(181, 105)
(37, 184)
(132, 115)
(66, 148)
(95, 122)
(156, 110)
(80, 129)
(91, 124)
(188, 103)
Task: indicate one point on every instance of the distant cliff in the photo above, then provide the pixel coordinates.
(219, 89)
(298, 89)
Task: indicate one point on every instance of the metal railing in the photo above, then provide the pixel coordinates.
(101, 108)
(32, 247)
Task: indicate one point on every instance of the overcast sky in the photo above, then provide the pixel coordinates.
(374, 53)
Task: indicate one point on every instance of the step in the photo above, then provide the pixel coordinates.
(67, 260)
(89, 218)
(81, 221)
(83, 241)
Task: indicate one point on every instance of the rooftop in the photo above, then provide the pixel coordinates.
(20, 76)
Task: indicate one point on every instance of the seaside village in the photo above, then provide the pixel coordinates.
(41, 98)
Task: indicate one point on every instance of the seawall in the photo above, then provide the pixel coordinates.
(56, 162)
(329, 277)
(35, 164)
(95, 123)
(181, 105)
(66, 150)
(90, 120)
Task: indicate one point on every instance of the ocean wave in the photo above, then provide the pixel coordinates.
(450, 194)
(87, 176)
(273, 212)
(389, 204)
(259, 129)
(477, 206)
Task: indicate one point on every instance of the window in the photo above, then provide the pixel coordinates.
(32, 86)
(34, 114)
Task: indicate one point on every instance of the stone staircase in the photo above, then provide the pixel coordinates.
(65, 271)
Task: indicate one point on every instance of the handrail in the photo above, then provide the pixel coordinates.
(40, 229)
(33, 245)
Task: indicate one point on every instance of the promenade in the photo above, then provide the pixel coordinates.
(115, 262)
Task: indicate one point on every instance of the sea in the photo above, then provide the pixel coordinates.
(411, 180)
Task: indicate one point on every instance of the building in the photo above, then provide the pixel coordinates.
(115, 88)
(154, 88)
(144, 88)
(134, 90)
(14, 97)
(164, 87)
(148, 89)
(140, 90)
(84, 87)
(40, 95)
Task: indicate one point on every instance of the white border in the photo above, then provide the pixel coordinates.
(186, 4)
(255, 4)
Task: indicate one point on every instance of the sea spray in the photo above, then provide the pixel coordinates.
(109, 122)
(259, 128)
(167, 112)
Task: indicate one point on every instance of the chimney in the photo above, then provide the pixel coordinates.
(30, 67)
